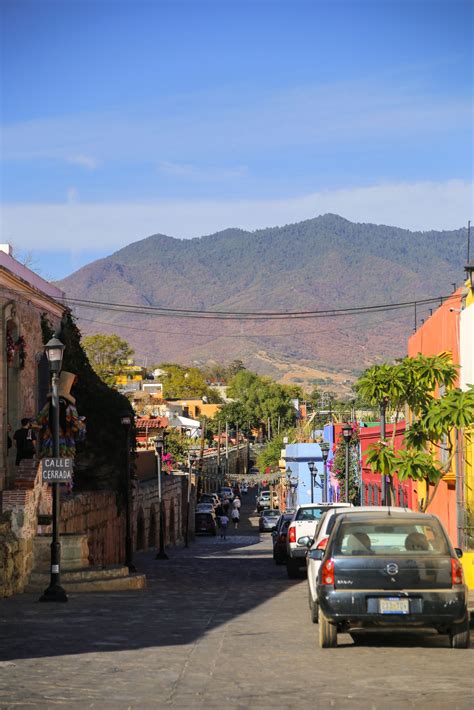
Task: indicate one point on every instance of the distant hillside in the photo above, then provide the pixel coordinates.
(326, 262)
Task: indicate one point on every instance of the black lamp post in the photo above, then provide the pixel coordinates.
(191, 460)
(347, 435)
(54, 350)
(383, 435)
(469, 268)
(126, 421)
(325, 453)
(159, 445)
(311, 466)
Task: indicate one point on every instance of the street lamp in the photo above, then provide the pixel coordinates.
(54, 350)
(383, 435)
(159, 444)
(126, 422)
(469, 268)
(311, 466)
(191, 460)
(347, 432)
(325, 453)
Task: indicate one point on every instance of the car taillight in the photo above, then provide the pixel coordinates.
(327, 572)
(457, 576)
(292, 534)
(322, 545)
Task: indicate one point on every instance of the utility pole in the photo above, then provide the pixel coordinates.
(219, 450)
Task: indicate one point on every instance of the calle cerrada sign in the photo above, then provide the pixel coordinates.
(56, 470)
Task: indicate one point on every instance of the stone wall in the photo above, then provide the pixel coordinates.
(19, 525)
(97, 515)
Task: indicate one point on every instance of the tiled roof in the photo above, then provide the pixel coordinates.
(155, 423)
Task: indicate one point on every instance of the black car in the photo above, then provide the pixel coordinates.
(386, 569)
(205, 522)
(279, 538)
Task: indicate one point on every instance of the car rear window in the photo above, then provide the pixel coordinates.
(400, 537)
(310, 513)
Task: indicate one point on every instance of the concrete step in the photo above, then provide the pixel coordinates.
(81, 575)
(91, 579)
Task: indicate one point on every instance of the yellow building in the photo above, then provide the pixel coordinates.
(466, 341)
(195, 408)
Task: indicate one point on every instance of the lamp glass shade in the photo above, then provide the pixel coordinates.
(347, 432)
(311, 466)
(469, 268)
(54, 349)
(324, 449)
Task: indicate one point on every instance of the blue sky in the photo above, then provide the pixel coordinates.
(123, 119)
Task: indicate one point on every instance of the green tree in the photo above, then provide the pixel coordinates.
(178, 446)
(108, 354)
(416, 382)
(180, 382)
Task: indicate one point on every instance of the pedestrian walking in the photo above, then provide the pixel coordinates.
(224, 521)
(237, 503)
(236, 518)
(225, 506)
(25, 441)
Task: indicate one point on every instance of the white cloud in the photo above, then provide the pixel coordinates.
(109, 226)
(85, 161)
(72, 195)
(205, 126)
(198, 174)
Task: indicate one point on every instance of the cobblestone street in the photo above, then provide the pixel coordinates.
(219, 626)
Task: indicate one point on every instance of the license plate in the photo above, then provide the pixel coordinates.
(394, 605)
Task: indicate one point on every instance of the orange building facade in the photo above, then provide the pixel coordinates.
(440, 333)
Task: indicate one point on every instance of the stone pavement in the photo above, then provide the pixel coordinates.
(219, 626)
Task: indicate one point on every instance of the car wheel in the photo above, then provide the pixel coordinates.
(327, 633)
(459, 635)
(314, 606)
(291, 569)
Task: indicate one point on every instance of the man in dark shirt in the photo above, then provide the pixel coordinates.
(25, 441)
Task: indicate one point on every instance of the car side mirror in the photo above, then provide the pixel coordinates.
(316, 554)
(458, 551)
(305, 540)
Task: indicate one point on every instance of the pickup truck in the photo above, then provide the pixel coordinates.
(303, 524)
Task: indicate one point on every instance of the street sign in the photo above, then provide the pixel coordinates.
(56, 470)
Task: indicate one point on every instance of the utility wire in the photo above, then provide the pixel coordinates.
(257, 315)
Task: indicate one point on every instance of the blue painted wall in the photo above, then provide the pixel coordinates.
(297, 457)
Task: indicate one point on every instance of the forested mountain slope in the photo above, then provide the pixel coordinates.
(326, 262)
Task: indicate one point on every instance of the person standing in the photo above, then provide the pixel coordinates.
(224, 520)
(25, 441)
(237, 503)
(235, 518)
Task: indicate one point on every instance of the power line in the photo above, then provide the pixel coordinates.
(111, 324)
(258, 315)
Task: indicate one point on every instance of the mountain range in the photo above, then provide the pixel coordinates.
(319, 264)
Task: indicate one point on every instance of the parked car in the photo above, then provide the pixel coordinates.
(266, 500)
(321, 538)
(205, 508)
(384, 569)
(279, 538)
(205, 523)
(212, 498)
(304, 524)
(254, 471)
(268, 520)
(226, 492)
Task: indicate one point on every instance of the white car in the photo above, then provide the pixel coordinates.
(303, 526)
(319, 542)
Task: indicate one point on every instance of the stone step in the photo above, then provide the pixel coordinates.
(109, 584)
(100, 584)
(80, 575)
